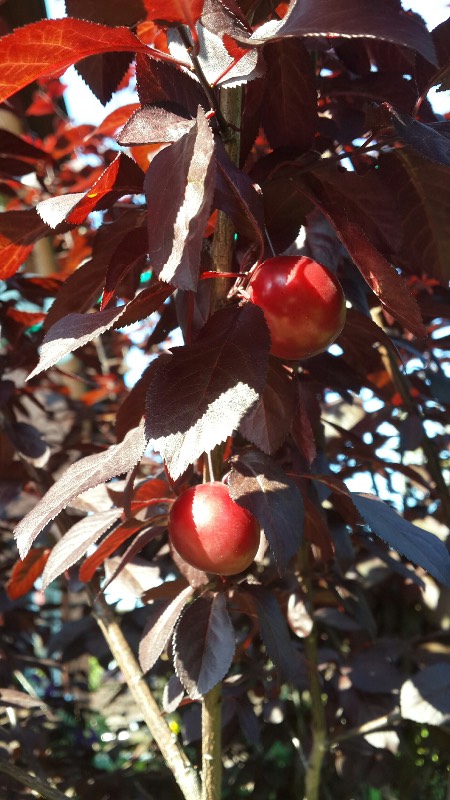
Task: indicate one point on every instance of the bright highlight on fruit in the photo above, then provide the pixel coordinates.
(303, 304)
(212, 532)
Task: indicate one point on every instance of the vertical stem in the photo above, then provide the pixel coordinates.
(318, 722)
(212, 744)
(222, 256)
(223, 242)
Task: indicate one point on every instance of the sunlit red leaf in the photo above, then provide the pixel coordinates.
(40, 106)
(24, 573)
(25, 318)
(115, 120)
(152, 489)
(52, 45)
(108, 546)
(120, 177)
(18, 232)
(185, 12)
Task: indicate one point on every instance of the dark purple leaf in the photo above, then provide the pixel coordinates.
(274, 631)
(173, 694)
(239, 198)
(160, 82)
(425, 698)
(364, 198)
(431, 141)
(379, 87)
(138, 544)
(289, 115)
(104, 72)
(198, 397)
(177, 219)
(381, 276)
(426, 75)
(28, 442)
(144, 304)
(352, 18)
(422, 193)
(83, 287)
(71, 332)
(203, 645)
(285, 208)
(162, 620)
(154, 124)
(76, 541)
(337, 619)
(107, 12)
(132, 409)
(224, 16)
(249, 723)
(84, 474)
(195, 577)
(373, 672)
(78, 293)
(131, 250)
(76, 330)
(23, 227)
(268, 424)
(258, 484)
(11, 144)
(416, 544)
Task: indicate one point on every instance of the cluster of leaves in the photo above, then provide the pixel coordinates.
(337, 139)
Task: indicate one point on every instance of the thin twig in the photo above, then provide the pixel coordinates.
(386, 722)
(31, 782)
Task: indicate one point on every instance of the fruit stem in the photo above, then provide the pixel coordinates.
(210, 466)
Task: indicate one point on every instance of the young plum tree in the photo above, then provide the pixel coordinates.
(252, 121)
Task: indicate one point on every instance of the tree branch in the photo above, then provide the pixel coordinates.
(174, 756)
(212, 744)
(319, 728)
(31, 782)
